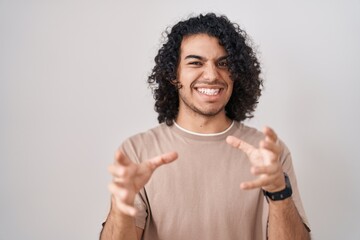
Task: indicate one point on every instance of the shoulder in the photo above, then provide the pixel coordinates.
(150, 134)
(143, 143)
(248, 133)
(155, 132)
(254, 136)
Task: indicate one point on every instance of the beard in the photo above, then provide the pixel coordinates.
(210, 111)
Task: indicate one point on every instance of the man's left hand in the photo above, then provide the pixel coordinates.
(264, 160)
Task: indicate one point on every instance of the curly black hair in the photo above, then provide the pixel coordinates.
(243, 66)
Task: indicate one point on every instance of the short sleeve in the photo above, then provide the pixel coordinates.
(288, 168)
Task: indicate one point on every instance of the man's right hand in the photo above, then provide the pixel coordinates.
(129, 178)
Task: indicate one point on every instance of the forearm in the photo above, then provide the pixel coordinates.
(118, 226)
(285, 221)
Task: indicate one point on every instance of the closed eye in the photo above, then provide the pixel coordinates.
(195, 63)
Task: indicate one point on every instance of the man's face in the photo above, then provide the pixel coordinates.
(203, 73)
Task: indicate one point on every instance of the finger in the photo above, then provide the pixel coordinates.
(271, 146)
(237, 143)
(121, 193)
(121, 158)
(116, 171)
(121, 181)
(125, 208)
(270, 133)
(268, 170)
(119, 171)
(257, 183)
(160, 160)
(117, 191)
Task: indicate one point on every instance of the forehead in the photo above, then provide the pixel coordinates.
(201, 45)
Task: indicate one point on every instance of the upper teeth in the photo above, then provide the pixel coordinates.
(209, 91)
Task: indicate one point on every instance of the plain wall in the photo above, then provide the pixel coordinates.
(73, 87)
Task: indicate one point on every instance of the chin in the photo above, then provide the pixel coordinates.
(210, 112)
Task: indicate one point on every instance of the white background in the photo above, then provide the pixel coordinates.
(73, 87)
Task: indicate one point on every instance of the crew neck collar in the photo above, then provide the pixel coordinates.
(205, 136)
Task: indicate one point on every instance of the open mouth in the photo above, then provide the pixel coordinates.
(209, 91)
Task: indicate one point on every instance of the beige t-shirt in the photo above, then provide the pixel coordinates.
(198, 196)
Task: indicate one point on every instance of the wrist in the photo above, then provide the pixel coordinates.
(282, 194)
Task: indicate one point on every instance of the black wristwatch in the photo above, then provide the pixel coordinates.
(280, 195)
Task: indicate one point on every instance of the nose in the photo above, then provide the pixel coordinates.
(210, 72)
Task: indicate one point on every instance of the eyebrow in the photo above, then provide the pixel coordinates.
(202, 58)
(194, 56)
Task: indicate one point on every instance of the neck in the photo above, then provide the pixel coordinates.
(204, 124)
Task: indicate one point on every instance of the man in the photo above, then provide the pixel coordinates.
(206, 81)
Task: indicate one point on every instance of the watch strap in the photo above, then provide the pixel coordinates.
(280, 195)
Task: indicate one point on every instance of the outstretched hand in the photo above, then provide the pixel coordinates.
(264, 160)
(129, 178)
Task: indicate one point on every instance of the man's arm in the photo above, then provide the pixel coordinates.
(285, 221)
(120, 226)
(128, 179)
